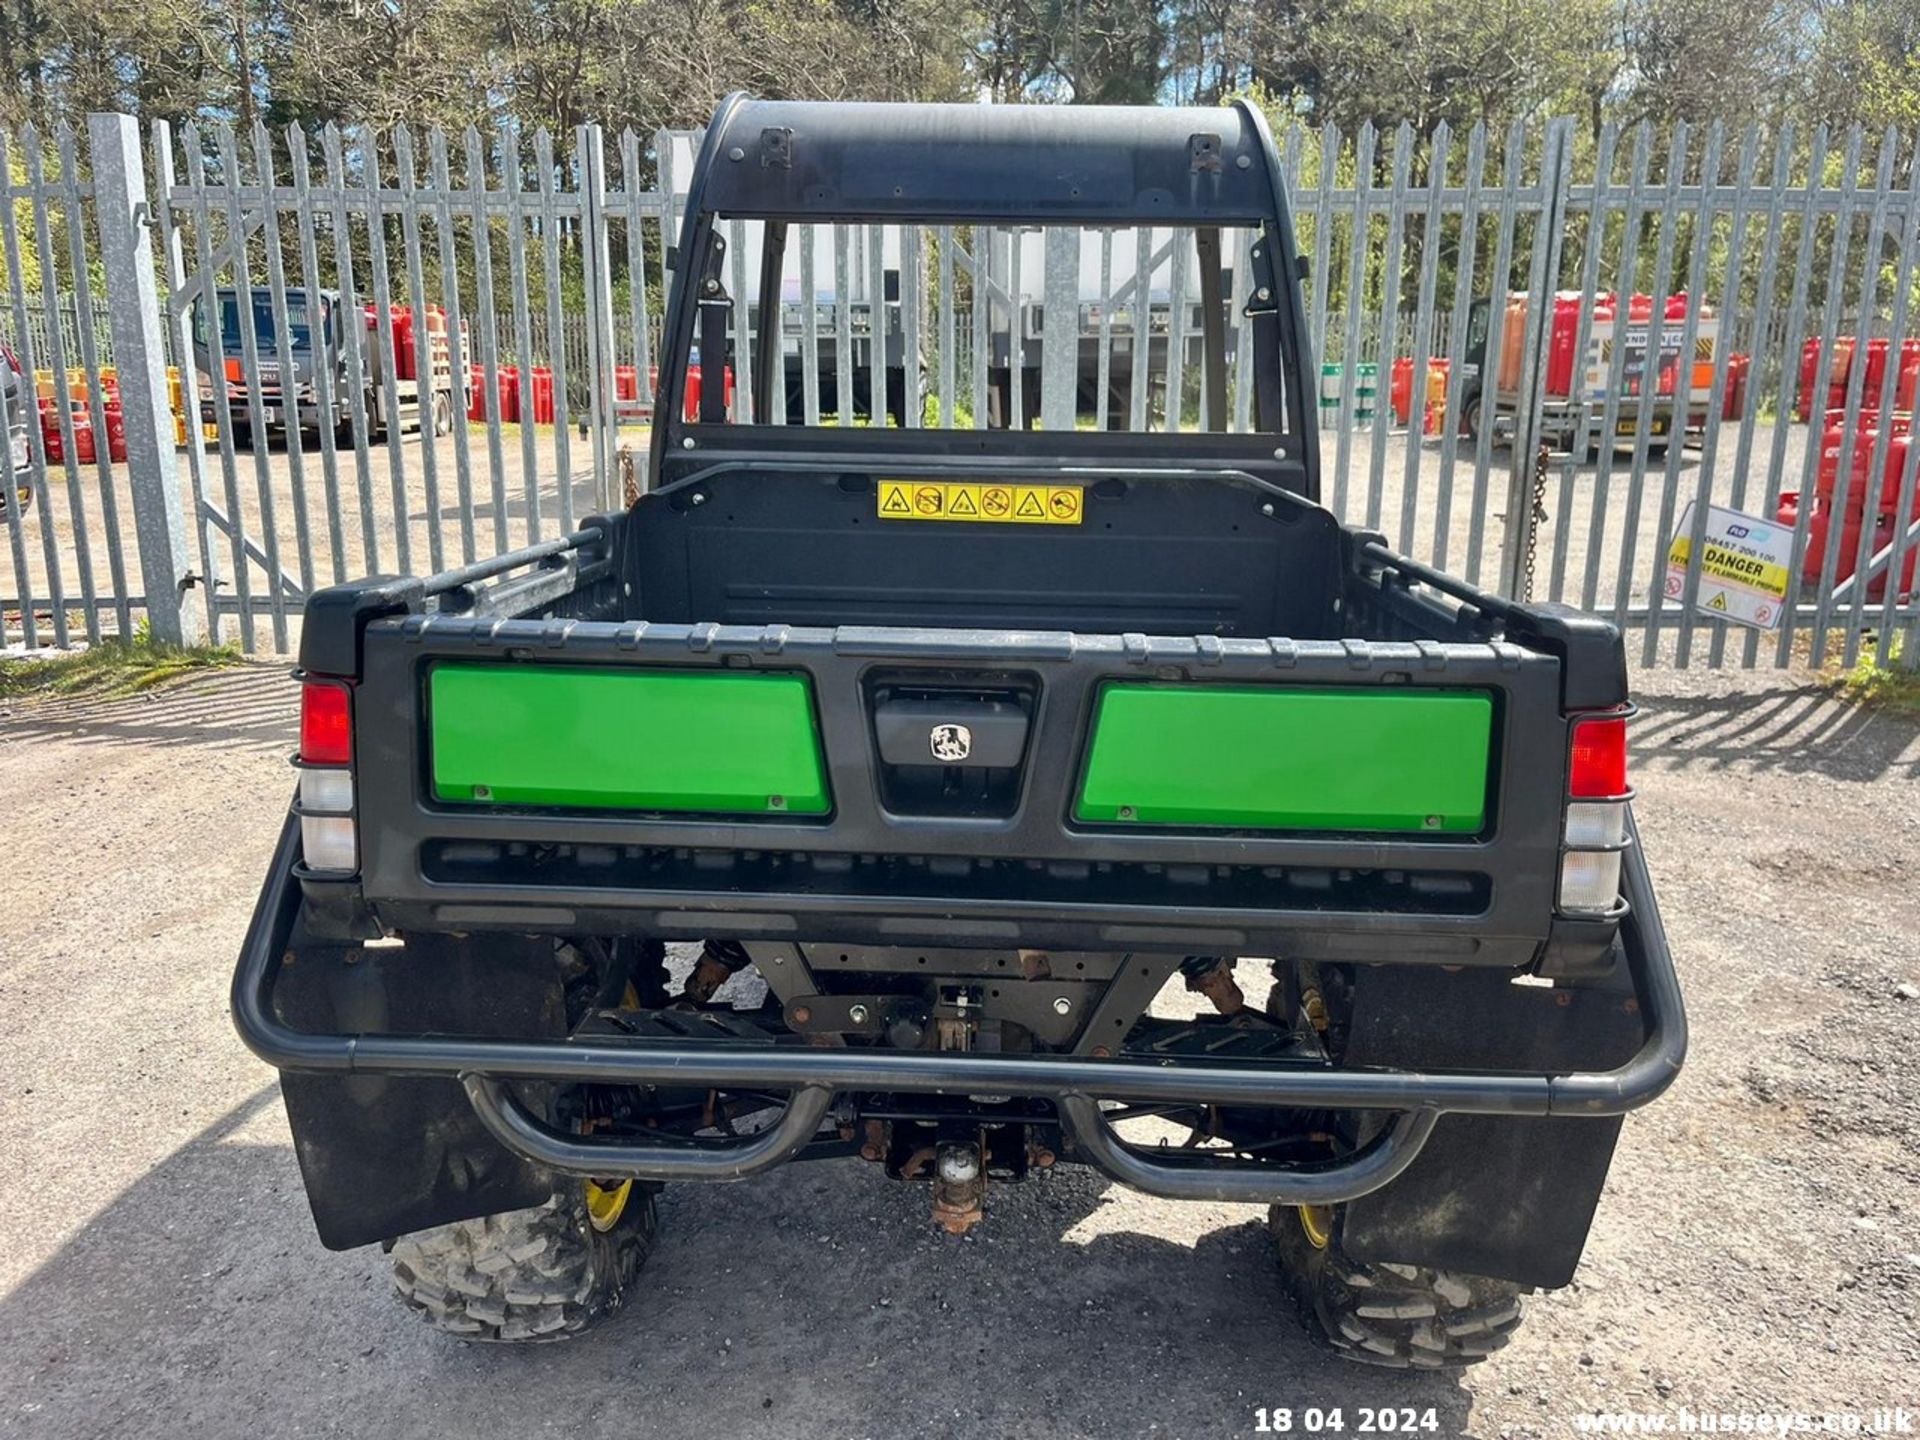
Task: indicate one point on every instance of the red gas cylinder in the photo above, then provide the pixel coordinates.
(1809, 364)
(1876, 369)
(1837, 376)
(1833, 440)
(1908, 382)
(507, 380)
(83, 444)
(116, 430)
(1400, 390)
(1734, 403)
(403, 365)
(1566, 330)
(626, 383)
(542, 395)
(690, 400)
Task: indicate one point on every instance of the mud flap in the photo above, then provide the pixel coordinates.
(385, 1155)
(1504, 1196)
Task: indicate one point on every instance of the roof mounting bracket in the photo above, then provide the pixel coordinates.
(776, 147)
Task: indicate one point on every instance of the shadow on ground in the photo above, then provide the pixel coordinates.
(250, 707)
(1799, 728)
(816, 1301)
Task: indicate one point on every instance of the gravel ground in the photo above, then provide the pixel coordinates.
(1758, 1248)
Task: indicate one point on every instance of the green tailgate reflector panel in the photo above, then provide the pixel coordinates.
(625, 739)
(1278, 758)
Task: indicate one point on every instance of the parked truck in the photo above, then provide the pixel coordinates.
(937, 755)
(1575, 385)
(373, 377)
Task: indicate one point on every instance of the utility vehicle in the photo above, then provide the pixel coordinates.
(967, 744)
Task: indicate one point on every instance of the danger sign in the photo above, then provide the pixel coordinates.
(1743, 570)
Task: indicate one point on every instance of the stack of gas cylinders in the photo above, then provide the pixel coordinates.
(1868, 444)
(1906, 381)
(86, 445)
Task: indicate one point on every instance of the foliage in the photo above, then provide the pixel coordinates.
(1894, 687)
(653, 63)
(511, 68)
(1424, 61)
(112, 669)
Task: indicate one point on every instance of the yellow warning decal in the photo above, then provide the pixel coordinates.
(988, 503)
(1717, 562)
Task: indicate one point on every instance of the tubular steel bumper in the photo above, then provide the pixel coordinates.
(1076, 1085)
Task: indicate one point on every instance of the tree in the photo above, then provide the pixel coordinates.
(1865, 63)
(1090, 52)
(1424, 61)
(1701, 60)
(651, 63)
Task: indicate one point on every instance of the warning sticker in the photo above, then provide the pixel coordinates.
(981, 503)
(1744, 567)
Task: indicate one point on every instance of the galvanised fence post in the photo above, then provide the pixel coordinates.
(133, 309)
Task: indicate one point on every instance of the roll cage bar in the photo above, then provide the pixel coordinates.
(785, 162)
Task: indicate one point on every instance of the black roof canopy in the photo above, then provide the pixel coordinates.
(1091, 164)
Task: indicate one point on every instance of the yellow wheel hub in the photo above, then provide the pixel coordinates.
(606, 1205)
(1316, 1221)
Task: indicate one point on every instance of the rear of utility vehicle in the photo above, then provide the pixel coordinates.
(936, 754)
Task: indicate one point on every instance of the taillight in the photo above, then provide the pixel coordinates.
(1597, 760)
(328, 841)
(1595, 831)
(326, 723)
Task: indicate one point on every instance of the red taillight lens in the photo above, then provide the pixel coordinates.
(326, 723)
(1597, 765)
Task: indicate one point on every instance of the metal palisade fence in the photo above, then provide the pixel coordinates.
(1665, 378)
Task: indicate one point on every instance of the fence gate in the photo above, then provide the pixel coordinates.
(250, 364)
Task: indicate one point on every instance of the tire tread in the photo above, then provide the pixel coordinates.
(533, 1275)
(1390, 1314)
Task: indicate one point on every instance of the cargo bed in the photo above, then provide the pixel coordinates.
(603, 738)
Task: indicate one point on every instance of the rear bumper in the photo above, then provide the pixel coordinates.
(272, 407)
(1074, 1084)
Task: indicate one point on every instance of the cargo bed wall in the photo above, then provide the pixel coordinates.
(1175, 555)
(1048, 872)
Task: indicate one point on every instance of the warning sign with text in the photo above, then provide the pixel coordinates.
(1744, 568)
(986, 503)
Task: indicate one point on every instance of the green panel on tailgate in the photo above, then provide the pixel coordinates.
(1278, 758)
(625, 739)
